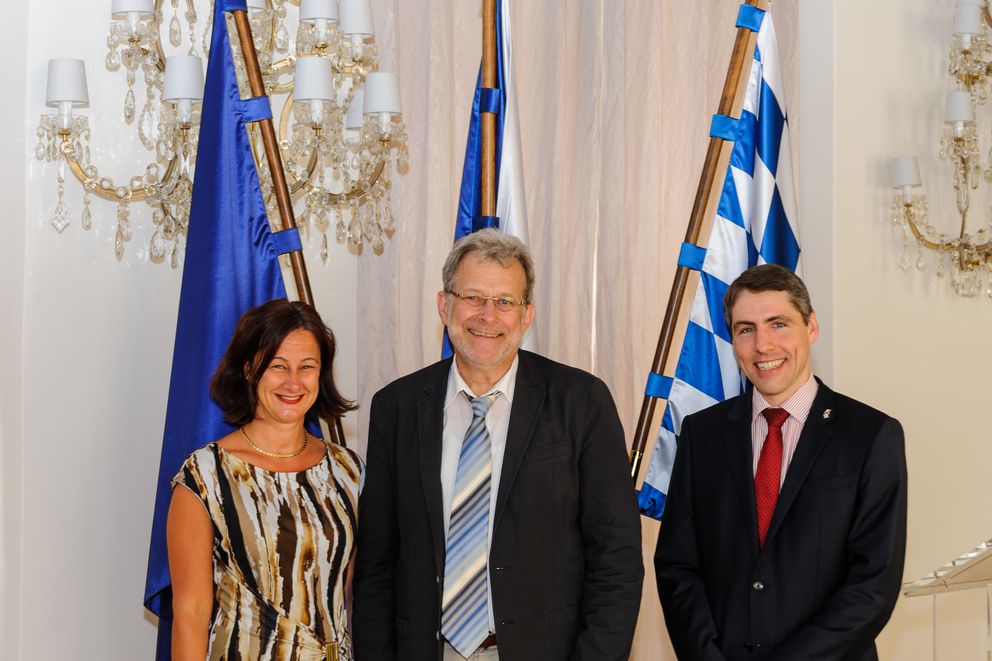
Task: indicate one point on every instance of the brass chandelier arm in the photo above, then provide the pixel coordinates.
(104, 193)
(950, 246)
(300, 186)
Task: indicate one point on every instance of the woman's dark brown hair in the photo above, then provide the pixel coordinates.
(257, 337)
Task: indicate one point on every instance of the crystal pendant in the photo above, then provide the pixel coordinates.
(354, 231)
(174, 260)
(378, 245)
(339, 232)
(113, 60)
(282, 38)
(175, 32)
(87, 219)
(60, 218)
(323, 250)
(157, 247)
(119, 244)
(129, 106)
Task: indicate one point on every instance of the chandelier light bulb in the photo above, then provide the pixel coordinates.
(314, 84)
(356, 18)
(906, 176)
(183, 84)
(314, 11)
(968, 24)
(66, 88)
(958, 112)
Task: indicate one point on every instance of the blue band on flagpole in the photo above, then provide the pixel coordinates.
(750, 17)
(287, 241)
(659, 386)
(489, 99)
(485, 222)
(724, 127)
(692, 257)
(235, 5)
(255, 109)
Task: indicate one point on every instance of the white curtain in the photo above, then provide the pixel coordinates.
(615, 100)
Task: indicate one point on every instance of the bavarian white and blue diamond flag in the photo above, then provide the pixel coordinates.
(756, 223)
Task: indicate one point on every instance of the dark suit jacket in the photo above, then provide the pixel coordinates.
(565, 558)
(828, 576)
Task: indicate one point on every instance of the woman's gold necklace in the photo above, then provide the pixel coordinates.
(279, 455)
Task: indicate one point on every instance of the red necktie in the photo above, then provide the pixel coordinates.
(768, 477)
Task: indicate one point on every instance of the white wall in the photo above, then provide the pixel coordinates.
(901, 341)
(13, 42)
(97, 349)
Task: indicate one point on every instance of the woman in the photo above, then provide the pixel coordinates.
(262, 521)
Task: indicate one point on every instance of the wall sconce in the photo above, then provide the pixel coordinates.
(967, 254)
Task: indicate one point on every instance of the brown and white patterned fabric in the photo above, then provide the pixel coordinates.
(282, 543)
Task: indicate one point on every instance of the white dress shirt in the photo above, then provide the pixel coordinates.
(457, 418)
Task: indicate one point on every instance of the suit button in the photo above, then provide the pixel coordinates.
(757, 586)
(437, 579)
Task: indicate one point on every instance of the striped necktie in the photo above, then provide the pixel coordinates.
(464, 606)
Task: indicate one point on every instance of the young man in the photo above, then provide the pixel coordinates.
(498, 518)
(785, 526)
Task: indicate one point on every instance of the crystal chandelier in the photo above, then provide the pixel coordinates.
(340, 131)
(967, 254)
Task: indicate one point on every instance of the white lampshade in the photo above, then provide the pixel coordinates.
(313, 79)
(353, 120)
(382, 93)
(958, 108)
(977, 3)
(356, 17)
(255, 6)
(67, 83)
(905, 172)
(312, 10)
(121, 8)
(183, 78)
(968, 20)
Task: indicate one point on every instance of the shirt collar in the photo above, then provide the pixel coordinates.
(798, 404)
(456, 384)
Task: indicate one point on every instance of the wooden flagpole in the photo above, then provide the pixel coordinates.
(730, 102)
(487, 119)
(279, 186)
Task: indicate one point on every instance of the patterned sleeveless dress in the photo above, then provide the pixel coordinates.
(282, 542)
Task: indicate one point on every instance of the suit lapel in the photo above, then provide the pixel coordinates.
(430, 426)
(814, 437)
(528, 398)
(737, 441)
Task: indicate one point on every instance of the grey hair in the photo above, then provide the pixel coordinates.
(489, 244)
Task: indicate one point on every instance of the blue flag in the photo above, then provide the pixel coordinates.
(511, 209)
(756, 223)
(231, 265)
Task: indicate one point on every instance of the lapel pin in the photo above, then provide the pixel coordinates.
(828, 414)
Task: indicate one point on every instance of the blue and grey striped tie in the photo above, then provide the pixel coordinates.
(464, 606)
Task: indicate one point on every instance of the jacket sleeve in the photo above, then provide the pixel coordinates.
(374, 624)
(611, 536)
(688, 614)
(855, 613)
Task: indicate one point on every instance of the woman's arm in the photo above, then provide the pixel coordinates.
(190, 541)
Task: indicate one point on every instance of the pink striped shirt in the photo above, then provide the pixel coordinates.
(798, 406)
